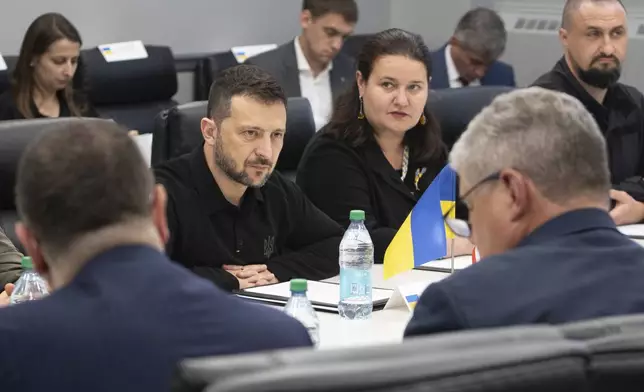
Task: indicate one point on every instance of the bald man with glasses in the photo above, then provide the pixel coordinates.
(538, 213)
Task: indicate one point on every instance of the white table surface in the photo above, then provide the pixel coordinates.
(384, 327)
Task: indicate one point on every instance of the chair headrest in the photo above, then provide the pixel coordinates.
(178, 131)
(353, 44)
(604, 327)
(454, 108)
(15, 136)
(130, 82)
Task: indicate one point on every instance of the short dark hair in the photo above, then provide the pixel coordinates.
(347, 8)
(573, 5)
(482, 31)
(426, 145)
(80, 177)
(242, 80)
(44, 31)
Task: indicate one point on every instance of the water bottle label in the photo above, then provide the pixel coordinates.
(355, 284)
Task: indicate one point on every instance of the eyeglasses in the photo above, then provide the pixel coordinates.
(460, 227)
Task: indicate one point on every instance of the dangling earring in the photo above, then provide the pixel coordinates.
(361, 113)
(422, 120)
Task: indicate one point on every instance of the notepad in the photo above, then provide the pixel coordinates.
(323, 295)
(445, 265)
(3, 64)
(633, 231)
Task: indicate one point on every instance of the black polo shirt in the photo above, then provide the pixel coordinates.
(620, 118)
(274, 225)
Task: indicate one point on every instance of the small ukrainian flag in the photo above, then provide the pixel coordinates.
(107, 50)
(423, 236)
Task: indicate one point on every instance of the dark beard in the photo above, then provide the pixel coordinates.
(600, 78)
(227, 165)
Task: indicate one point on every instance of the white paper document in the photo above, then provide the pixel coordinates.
(3, 64)
(123, 51)
(320, 293)
(241, 53)
(633, 231)
(144, 142)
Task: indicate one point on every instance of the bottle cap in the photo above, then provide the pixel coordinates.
(27, 263)
(355, 215)
(298, 285)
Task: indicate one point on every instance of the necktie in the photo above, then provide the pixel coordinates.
(464, 82)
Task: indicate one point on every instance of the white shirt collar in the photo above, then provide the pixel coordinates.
(302, 62)
(452, 73)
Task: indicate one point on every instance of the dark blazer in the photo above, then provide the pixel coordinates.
(498, 74)
(576, 266)
(10, 267)
(124, 322)
(9, 109)
(338, 178)
(282, 64)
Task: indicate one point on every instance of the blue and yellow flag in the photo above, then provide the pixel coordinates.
(423, 236)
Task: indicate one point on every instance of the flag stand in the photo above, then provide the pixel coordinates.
(452, 268)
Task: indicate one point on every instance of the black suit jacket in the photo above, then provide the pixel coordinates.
(281, 62)
(338, 178)
(498, 73)
(576, 266)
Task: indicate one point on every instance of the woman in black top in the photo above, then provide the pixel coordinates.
(42, 84)
(382, 148)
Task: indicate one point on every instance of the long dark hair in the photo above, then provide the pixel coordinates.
(424, 141)
(44, 31)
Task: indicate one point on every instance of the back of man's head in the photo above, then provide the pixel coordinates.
(482, 31)
(548, 136)
(81, 177)
(348, 9)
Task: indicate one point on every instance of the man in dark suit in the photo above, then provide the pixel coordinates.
(538, 210)
(594, 36)
(121, 313)
(312, 66)
(470, 58)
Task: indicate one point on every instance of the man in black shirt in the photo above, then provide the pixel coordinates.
(594, 36)
(232, 219)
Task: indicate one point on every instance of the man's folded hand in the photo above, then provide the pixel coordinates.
(251, 275)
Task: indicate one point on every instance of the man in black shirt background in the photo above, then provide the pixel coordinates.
(232, 219)
(594, 35)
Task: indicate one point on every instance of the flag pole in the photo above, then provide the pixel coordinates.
(452, 256)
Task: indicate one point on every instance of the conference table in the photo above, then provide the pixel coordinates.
(385, 326)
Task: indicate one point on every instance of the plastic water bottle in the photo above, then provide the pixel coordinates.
(356, 260)
(300, 308)
(30, 286)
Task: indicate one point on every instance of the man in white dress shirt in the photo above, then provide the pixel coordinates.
(311, 66)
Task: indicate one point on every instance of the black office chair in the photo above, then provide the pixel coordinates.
(15, 135)
(507, 359)
(616, 346)
(178, 131)
(207, 69)
(603, 327)
(5, 76)
(617, 363)
(455, 108)
(132, 92)
(353, 44)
